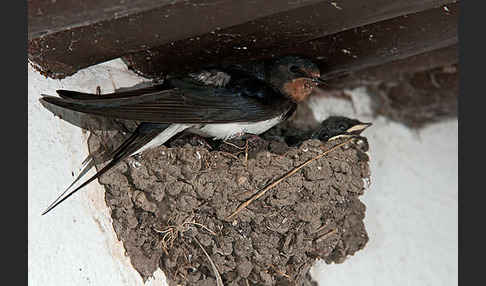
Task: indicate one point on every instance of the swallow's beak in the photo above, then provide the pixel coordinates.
(352, 131)
(318, 80)
(314, 77)
(358, 128)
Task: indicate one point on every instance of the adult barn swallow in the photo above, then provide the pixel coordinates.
(332, 128)
(246, 104)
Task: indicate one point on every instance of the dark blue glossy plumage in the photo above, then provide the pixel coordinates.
(246, 103)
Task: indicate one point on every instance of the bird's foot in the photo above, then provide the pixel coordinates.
(252, 138)
(192, 139)
(236, 146)
(203, 142)
(241, 149)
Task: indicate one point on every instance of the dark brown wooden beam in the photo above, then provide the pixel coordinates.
(395, 70)
(88, 32)
(387, 41)
(65, 36)
(338, 54)
(47, 16)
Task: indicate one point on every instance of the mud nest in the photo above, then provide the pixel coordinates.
(170, 205)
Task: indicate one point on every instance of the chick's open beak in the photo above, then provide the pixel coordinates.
(314, 77)
(358, 128)
(318, 80)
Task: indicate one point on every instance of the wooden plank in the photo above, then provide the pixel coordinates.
(47, 16)
(59, 46)
(337, 54)
(65, 36)
(396, 69)
(387, 41)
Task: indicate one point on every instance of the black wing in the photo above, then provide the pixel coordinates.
(126, 93)
(98, 122)
(89, 121)
(185, 103)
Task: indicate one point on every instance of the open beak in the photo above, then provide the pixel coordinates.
(315, 79)
(318, 80)
(358, 128)
(352, 131)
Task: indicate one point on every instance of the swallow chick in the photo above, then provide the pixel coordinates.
(246, 104)
(338, 126)
(330, 129)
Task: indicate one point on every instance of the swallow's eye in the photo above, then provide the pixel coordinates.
(342, 127)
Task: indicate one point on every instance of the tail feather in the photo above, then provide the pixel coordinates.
(90, 164)
(130, 92)
(138, 139)
(84, 120)
(69, 94)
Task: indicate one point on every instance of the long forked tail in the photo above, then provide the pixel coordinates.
(142, 135)
(89, 164)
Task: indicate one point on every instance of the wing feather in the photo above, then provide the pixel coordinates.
(191, 104)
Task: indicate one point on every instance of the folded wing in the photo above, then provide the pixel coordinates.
(190, 104)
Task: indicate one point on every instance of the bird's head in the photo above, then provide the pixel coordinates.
(338, 126)
(295, 77)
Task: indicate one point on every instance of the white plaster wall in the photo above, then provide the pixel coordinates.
(75, 244)
(411, 213)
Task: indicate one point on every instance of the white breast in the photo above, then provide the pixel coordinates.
(165, 135)
(216, 131)
(230, 130)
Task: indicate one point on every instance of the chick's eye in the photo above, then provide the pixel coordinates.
(324, 136)
(294, 69)
(342, 127)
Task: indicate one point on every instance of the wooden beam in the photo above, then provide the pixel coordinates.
(65, 36)
(394, 70)
(337, 54)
